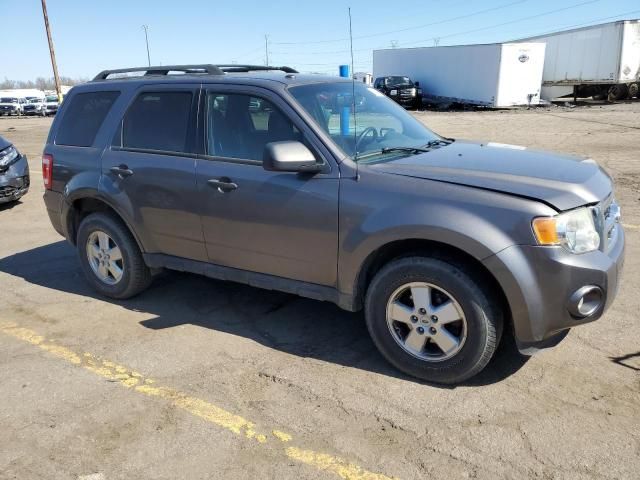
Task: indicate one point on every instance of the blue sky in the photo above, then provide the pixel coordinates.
(91, 35)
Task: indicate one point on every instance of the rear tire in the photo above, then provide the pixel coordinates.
(125, 278)
(618, 92)
(469, 341)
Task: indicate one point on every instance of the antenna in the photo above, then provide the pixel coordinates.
(353, 99)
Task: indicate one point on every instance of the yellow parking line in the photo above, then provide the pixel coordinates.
(631, 227)
(200, 408)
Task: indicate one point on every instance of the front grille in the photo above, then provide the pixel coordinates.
(607, 217)
(6, 192)
(9, 190)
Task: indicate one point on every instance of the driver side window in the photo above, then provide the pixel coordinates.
(240, 126)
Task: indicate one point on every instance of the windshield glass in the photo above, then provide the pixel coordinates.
(399, 81)
(8, 100)
(52, 98)
(35, 100)
(378, 124)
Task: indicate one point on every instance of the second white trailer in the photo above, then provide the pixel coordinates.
(596, 59)
(495, 75)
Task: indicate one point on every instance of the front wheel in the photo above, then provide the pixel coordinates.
(433, 319)
(110, 257)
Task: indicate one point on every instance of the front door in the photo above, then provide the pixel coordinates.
(282, 224)
(150, 170)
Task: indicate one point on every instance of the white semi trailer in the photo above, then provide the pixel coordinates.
(600, 60)
(493, 75)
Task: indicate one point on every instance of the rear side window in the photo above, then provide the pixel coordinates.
(83, 118)
(157, 121)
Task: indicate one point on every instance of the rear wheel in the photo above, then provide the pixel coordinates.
(110, 257)
(618, 92)
(433, 319)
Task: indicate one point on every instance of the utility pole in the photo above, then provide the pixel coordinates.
(146, 38)
(266, 50)
(51, 51)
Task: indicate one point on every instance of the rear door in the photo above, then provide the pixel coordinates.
(277, 223)
(149, 170)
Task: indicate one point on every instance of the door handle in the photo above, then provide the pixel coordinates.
(222, 184)
(122, 171)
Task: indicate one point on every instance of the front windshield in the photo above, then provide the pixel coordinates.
(8, 100)
(398, 81)
(52, 98)
(35, 100)
(378, 124)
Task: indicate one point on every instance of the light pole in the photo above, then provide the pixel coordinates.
(146, 38)
(51, 51)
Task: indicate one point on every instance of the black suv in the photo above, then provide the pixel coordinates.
(400, 89)
(259, 175)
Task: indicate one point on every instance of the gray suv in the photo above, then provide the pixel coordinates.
(327, 189)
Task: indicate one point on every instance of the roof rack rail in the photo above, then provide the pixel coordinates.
(235, 68)
(206, 69)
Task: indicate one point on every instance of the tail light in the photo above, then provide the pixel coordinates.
(47, 170)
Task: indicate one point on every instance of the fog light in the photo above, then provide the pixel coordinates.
(585, 301)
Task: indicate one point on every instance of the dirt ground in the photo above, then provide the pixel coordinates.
(202, 379)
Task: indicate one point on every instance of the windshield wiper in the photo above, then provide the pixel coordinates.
(404, 149)
(439, 141)
(385, 150)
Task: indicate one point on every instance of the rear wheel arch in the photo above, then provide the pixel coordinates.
(82, 207)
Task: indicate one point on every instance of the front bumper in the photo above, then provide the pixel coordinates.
(34, 111)
(14, 182)
(538, 283)
(407, 101)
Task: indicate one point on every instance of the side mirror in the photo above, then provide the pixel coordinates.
(289, 156)
(417, 84)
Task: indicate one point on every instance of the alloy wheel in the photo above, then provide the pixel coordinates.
(426, 321)
(105, 257)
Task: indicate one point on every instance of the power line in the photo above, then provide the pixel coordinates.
(390, 32)
(528, 17)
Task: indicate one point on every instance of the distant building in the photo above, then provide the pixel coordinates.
(363, 77)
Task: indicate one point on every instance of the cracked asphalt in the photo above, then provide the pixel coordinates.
(303, 375)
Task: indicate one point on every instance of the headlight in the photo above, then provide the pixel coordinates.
(393, 92)
(574, 230)
(8, 156)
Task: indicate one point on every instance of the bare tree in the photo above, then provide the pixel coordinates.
(39, 83)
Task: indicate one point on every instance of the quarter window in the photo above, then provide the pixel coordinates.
(240, 126)
(83, 118)
(157, 121)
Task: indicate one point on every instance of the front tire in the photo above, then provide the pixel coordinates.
(110, 257)
(433, 319)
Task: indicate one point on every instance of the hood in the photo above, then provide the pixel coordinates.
(562, 181)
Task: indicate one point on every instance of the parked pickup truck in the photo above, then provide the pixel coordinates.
(51, 104)
(400, 89)
(446, 245)
(35, 106)
(11, 105)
